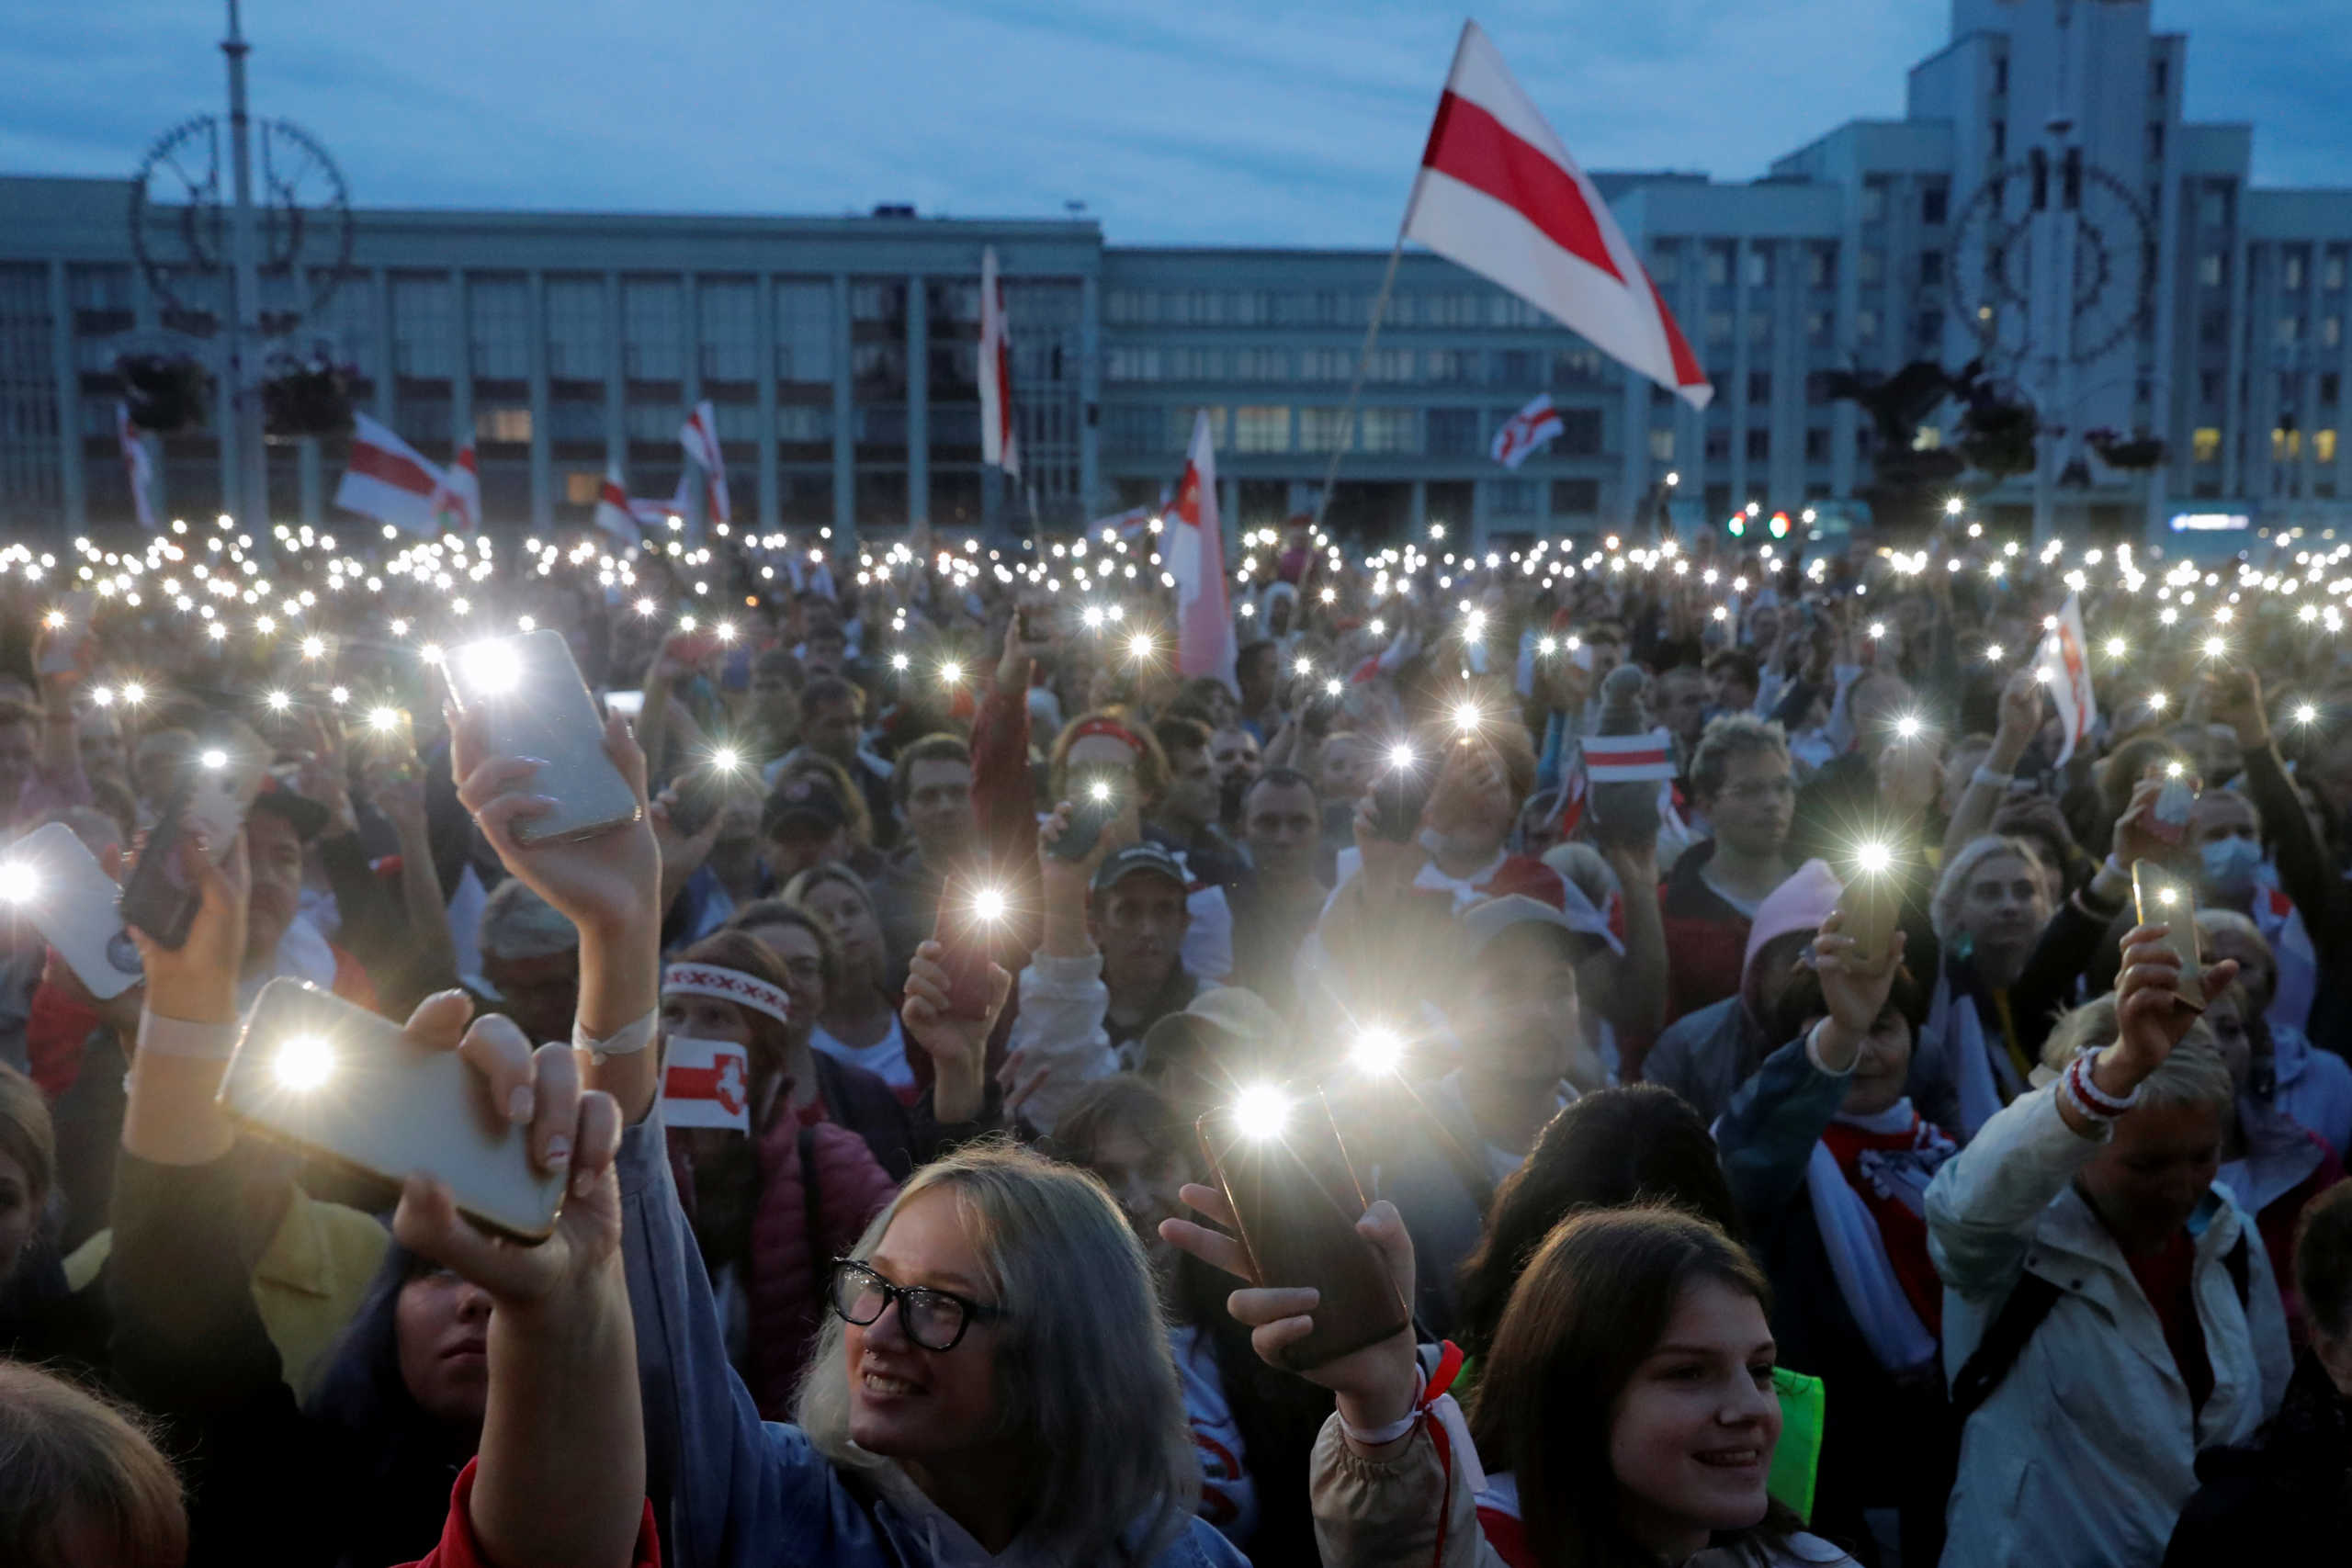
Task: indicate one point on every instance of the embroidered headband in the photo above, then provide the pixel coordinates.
(726, 985)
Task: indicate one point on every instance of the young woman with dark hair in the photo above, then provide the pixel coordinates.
(1634, 1348)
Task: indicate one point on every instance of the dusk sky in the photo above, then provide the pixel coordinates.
(1217, 121)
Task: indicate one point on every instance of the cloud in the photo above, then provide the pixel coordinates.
(1220, 121)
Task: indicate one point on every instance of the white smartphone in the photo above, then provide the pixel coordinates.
(224, 774)
(68, 626)
(51, 876)
(535, 704)
(331, 1079)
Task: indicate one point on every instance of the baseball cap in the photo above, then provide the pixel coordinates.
(1241, 1016)
(1482, 923)
(1136, 860)
(803, 800)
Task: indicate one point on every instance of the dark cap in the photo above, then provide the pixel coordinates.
(1136, 860)
(278, 794)
(807, 800)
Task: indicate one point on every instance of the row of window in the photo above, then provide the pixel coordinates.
(1453, 308)
(2294, 268)
(2286, 444)
(1445, 367)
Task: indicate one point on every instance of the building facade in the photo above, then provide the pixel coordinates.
(2042, 205)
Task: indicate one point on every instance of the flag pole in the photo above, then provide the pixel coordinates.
(1363, 362)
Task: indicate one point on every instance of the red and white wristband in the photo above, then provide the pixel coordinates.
(2082, 1091)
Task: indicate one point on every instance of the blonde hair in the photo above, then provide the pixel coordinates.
(2193, 1074)
(78, 1475)
(1082, 1367)
(1944, 909)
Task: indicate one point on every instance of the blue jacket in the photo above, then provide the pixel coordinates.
(732, 1491)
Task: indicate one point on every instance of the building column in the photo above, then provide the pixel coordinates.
(1419, 523)
(764, 327)
(845, 442)
(379, 288)
(918, 401)
(542, 439)
(461, 377)
(2237, 434)
(1093, 502)
(617, 383)
(65, 384)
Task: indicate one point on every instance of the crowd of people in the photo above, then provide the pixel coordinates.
(1801, 1146)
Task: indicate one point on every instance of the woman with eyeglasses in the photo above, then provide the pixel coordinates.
(993, 1383)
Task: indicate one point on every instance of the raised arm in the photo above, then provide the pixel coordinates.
(2020, 717)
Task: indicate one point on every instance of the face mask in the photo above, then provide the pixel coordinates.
(2232, 865)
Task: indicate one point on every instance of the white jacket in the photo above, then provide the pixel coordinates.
(2086, 1452)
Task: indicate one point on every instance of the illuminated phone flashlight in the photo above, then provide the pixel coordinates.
(950, 673)
(1401, 756)
(1908, 727)
(2168, 896)
(1874, 859)
(1878, 629)
(277, 702)
(989, 904)
(1994, 653)
(1377, 1051)
(1260, 1111)
(685, 622)
(1466, 717)
(2306, 713)
(2156, 700)
(726, 630)
(2175, 769)
(102, 697)
(314, 647)
(2115, 648)
(17, 882)
(1548, 647)
(726, 759)
(383, 720)
(646, 606)
(1092, 617)
(213, 758)
(304, 1062)
(338, 696)
(134, 694)
(1139, 645)
(2215, 647)
(491, 668)
(900, 661)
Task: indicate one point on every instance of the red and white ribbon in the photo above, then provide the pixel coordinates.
(727, 985)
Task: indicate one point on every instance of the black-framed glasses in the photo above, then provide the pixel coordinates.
(936, 1320)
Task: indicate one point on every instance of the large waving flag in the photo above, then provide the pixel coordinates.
(1523, 432)
(699, 436)
(625, 517)
(1499, 194)
(2063, 662)
(458, 499)
(1195, 548)
(999, 447)
(389, 480)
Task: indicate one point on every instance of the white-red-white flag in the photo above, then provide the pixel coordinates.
(1193, 545)
(388, 480)
(699, 436)
(1628, 759)
(626, 516)
(138, 465)
(1523, 432)
(1499, 194)
(458, 498)
(2063, 663)
(706, 1083)
(999, 445)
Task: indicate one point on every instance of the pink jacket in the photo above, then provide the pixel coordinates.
(788, 1265)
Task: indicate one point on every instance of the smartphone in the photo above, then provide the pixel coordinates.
(2160, 899)
(61, 651)
(335, 1080)
(222, 777)
(1029, 626)
(702, 793)
(1096, 797)
(2174, 803)
(967, 929)
(1401, 793)
(694, 647)
(535, 705)
(1868, 904)
(1296, 1201)
(75, 906)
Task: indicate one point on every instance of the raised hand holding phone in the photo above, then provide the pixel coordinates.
(956, 1040)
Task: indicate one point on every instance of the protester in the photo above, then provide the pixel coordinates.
(530, 958)
(2083, 1245)
(930, 788)
(1276, 906)
(1741, 779)
(860, 1023)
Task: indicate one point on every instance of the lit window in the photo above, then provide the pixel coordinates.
(2206, 445)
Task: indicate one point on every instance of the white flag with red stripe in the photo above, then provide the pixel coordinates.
(1499, 194)
(138, 466)
(1523, 432)
(999, 445)
(1628, 759)
(2063, 662)
(699, 436)
(458, 496)
(626, 516)
(1193, 545)
(388, 480)
(706, 1083)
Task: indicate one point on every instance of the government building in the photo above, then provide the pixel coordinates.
(2042, 205)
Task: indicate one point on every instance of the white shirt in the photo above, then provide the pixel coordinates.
(1228, 1495)
(886, 1058)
